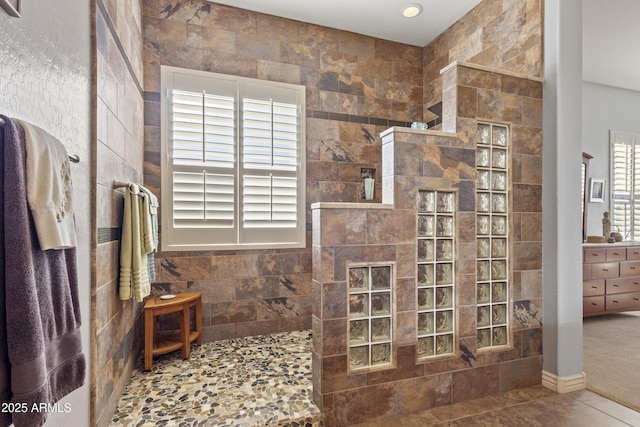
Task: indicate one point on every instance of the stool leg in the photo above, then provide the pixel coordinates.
(149, 332)
(199, 320)
(185, 331)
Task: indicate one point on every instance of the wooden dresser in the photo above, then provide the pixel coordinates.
(611, 278)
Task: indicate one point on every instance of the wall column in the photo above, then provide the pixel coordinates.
(562, 241)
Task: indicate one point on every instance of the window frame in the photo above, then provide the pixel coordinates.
(630, 231)
(237, 237)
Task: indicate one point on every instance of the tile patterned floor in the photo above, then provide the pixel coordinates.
(266, 380)
(245, 382)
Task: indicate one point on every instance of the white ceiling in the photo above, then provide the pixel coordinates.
(611, 43)
(376, 18)
(611, 28)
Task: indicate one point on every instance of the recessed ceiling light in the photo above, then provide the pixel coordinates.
(411, 10)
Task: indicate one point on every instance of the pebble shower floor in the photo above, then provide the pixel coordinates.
(253, 381)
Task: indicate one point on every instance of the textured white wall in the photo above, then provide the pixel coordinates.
(45, 63)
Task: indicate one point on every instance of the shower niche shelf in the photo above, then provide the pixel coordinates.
(370, 315)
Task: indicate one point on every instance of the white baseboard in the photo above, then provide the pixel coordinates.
(564, 384)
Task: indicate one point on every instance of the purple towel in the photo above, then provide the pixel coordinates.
(41, 309)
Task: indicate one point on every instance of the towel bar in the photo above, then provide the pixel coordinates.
(73, 158)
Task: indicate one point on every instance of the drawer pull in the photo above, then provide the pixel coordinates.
(632, 268)
(605, 269)
(593, 303)
(615, 301)
(636, 298)
(615, 285)
(595, 287)
(616, 253)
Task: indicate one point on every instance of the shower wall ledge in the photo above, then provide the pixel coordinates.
(417, 131)
(478, 67)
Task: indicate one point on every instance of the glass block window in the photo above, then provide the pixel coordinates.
(492, 207)
(436, 273)
(370, 315)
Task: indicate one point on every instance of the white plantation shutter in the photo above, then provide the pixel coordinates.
(625, 184)
(203, 159)
(270, 159)
(234, 176)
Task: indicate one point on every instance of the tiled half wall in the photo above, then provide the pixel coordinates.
(346, 234)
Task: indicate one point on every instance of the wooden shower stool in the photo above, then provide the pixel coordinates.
(163, 343)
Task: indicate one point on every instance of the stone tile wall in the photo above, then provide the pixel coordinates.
(356, 86)
(502, 34)
(116, 325)
(348, 233)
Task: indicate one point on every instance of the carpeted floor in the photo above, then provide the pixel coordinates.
(612, 357)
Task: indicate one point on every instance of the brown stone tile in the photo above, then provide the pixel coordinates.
(405, 294)
(335, 375)
(467, 316)
(527, 256)
(233, 312)
(181, 269)
(366, 403)
(526, 140)
(234, 266)
(522, 87)
(466, 258)
(467, 101)
(531, 227)
(211, 39)
(463, 409)
(334, 300)
(262, 327)
(480, 79)
(474, 383)
(532, 342)
(423, 393)
(501, 106)
(384, 226)
(334, 337)
(532, 112)
(256, 288)
(278, 264)
(527, 198)
(520, 373)
(466, 289)
(530, 170)
(405, 328)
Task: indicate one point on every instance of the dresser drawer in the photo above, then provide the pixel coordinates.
(623, 301)
(605, 270)
(630, 268)
(595, 255)
(593, 287)
(591, 305)
(633, 253)
(616, 254)
(627, 284)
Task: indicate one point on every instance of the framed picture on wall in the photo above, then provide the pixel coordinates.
(596, 190)
(12, 7)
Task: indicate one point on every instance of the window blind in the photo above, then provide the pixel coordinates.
(269, 144)
(204, 159)
(625, 184)
(234, 173)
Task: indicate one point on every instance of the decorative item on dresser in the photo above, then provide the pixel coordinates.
(610, 279)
